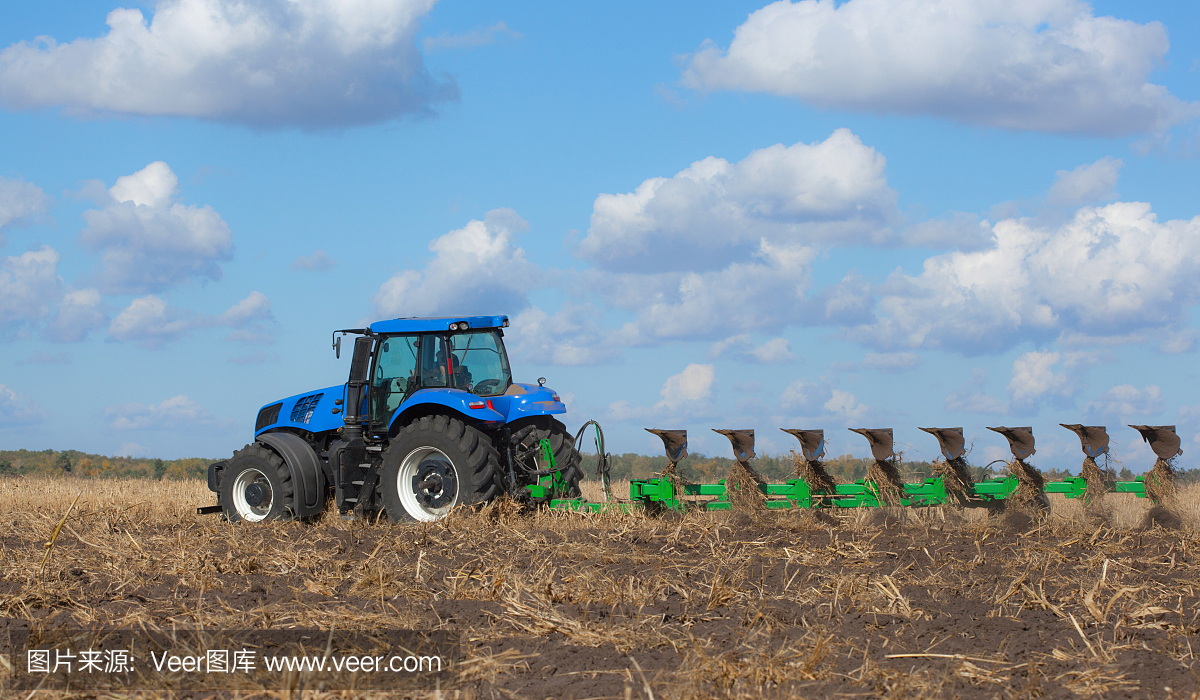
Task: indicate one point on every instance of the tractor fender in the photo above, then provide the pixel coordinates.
(456, 400)
(305, 468)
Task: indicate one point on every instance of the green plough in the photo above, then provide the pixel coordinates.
(953, 486)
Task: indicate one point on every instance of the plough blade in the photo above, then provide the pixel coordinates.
(1162, 439)
(1020, 441)
(674, 442)
(742, 441)
(812, 442)
(950, 440)
(1093, 438)
(881, 442)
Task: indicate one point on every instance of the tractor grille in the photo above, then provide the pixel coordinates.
(267, 416)
(302, 412)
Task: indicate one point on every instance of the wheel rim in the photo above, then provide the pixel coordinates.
(427, 483)
(252, 495)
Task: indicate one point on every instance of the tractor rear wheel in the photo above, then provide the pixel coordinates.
(257, 486)
(566, 458)
(434, 464)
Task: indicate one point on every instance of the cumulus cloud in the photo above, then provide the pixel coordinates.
(973, 398)
(1034, 378)
(1110, 273)
(174, 413)
(741, 348)
(17, 410)
(313, 64)
(79, 312)
(570, 336)
(250, 319)
(1045, 65)
(684, 395)
(831, 192)
(19, 202)
(151, 322)
(819, 400)
(475, 269)
(148, 242)
(317, 262)
(1127, 402)
(1086, 184)
(29, 284)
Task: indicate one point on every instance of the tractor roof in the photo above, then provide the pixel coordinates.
(427, 325)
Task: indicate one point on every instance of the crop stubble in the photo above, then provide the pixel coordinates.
(932, 604)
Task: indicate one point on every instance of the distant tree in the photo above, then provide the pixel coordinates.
(1125, 474)
(63, 463)
(6, 467)
(160, 468)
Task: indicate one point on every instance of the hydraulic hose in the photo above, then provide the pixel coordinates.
(602, 465)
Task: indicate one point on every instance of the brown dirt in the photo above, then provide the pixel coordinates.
(741, 488)
(887, 479)
(1098, 482)
(1160, 483)
(955, 476)
(813, 473)
(1029, 498)
(587, 606)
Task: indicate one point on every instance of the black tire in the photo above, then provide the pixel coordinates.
(434, 464)
(257, 486)
(566, 458)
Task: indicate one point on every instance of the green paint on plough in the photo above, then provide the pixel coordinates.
(668, 494)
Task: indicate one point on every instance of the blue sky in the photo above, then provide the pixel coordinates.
(697, 215)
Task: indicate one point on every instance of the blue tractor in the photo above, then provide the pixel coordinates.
(429, 419)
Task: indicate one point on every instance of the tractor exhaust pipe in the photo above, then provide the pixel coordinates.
(742, 484)
(808, 464)
(884, 472)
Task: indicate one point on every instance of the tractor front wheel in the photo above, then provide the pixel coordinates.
(257, 486)
(434, 464)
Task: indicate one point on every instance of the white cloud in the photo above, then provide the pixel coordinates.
(17, 410)
(686, 395)
(569, 337)
(1046, 65)
(177, 412)
(471, 39)
(19, 201)
(972, 397)
(251, 320)
(475, 269)
(1034, 377)
(1128, 403)
(958, 230)
(312, 64)
(1086, 184)
(818, 400)
(148, 242)
(740, 347)
(832, 192)
(694, 383)
(150, 321)
(317, 262)
(1111, 273)
(80, 311)
(29, 284)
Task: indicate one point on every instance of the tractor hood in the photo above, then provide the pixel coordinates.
(311, 411)
(523, 400)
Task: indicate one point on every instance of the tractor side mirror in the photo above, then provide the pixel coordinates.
(360, 365)
(337, 347)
